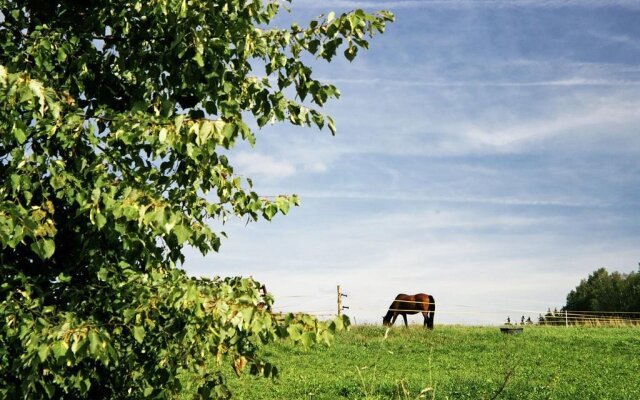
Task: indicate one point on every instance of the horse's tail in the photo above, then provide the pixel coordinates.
(432, 311)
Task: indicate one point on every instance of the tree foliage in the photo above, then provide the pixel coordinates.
(114, 117)
(604, 291)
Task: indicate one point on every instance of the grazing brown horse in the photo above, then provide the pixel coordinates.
(411, 304)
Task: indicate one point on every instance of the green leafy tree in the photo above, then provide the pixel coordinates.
(632, 299)
(607, 292)
(114, 117)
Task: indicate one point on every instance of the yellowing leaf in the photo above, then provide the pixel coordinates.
(162, 136)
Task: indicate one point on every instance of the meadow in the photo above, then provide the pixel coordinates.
(456, 362)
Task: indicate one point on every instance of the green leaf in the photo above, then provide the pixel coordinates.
(78, 345)
(198, 58)
(138, 333)
(61, 56)
(101, 220)
(205, 130)
(49, 247)
(295, 332)
(308, 339)
(43, 352)
(269, 211)
(103, 273)
(94, 342)
(283, 204)
(19, 134)
(60, 348)
(182, 232)
(48, 388)
(129, 314)
(351, 52)
(44, 248)
(15, 181)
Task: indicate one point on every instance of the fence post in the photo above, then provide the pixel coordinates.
(340, 306)
(566, 318)
(339, 301)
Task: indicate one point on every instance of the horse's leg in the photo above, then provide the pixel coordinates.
(425, 314)
(404, 316)
(393, 320)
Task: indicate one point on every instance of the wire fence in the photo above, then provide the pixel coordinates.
(309, 304)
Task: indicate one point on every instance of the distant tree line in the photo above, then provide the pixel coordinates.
(604, 291)
(602, 296)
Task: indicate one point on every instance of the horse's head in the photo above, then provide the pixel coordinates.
(386, 320)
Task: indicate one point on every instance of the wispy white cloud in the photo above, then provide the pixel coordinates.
(593, 117)
(610, 38)
(316, 166)
(263, 166)
(465, 123)
(489, 73)
(401, 197)
(426, 83)
(273, 168)
(508, 117)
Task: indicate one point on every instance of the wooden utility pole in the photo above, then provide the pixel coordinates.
(340, 306)
(339, 301)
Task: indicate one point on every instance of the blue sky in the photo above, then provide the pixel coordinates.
(487, 153)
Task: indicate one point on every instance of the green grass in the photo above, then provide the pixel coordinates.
(454, 362)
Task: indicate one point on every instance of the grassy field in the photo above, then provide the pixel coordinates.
(454, 362)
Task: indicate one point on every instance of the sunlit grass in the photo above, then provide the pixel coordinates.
(456, 362)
